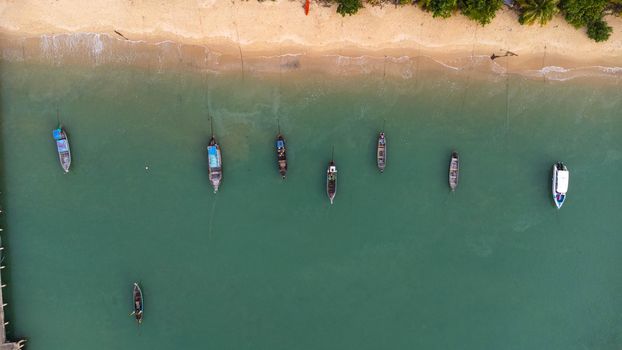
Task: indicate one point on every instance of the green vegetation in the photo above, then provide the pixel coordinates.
(588, 13)
(541, 11)
(349, 7)
(439, 8)
(482, 11)
(599, 30)
(580, 13)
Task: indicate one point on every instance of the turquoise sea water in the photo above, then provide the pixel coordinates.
(398, 262)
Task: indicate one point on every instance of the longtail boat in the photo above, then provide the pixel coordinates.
(214, 168)
(137, 297)
(331, 181)
(454, 170)
(381, 152)
(62, 147)
(307, 4)
(281, 155)
(561, 177)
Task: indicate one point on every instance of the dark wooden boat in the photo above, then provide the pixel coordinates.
(381, 152)
(137, 297)
(62, 147)
(454, 170)
(281, 155)
(331, 181)
(214, 167)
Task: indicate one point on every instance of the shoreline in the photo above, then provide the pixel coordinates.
(103, 49)
(232, 35)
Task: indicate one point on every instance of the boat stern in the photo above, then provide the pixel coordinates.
(65, 163)
(559, 199)
(215, 180)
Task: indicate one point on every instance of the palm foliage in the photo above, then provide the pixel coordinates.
(588, 14)
(541, 11)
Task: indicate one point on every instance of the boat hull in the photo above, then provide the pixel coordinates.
(559, 184)
(381, 152)
(454, 171)
(331, 181)
(214, 167)
(281, 155)
(137, 296)
(62, 148)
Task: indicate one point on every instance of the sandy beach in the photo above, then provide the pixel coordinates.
(247, 30)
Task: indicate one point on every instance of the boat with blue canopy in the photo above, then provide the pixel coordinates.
(214, 159)
(62, 147)
(281, 155)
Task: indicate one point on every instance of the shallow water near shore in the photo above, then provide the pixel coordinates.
(397, 262)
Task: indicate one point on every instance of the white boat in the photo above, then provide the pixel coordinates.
(561, 177)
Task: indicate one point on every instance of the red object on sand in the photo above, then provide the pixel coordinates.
(307, 3)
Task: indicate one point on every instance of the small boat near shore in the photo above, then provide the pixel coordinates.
(381, 152)
(331, 181)
(137, 297)
(454, 170)
(62, 147)
(214, 167)
(561, 177)
(281, 155)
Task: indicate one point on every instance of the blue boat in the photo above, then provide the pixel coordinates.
(281, 155)
(214, 163)
(62, 147)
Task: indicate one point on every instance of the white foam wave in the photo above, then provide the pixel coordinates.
(104, 48)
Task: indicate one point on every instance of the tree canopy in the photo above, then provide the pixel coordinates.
(579, 13)
(588, 13)
(482, 11)
(349, 7)
(541, 11)
(599, 30)
(440, 8)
